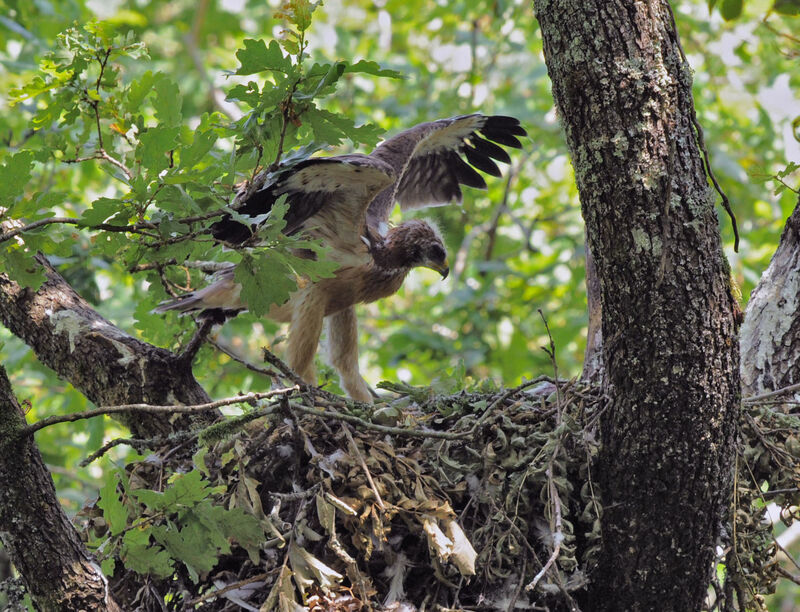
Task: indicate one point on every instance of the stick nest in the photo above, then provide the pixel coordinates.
(485, 501)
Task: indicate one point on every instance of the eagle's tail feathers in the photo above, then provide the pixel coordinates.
(184, 304)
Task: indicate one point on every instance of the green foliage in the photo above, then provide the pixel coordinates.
(170, 176)
(455, 59)
(162, 116)
(787, 7)
(258, 57)
(155, 532)
(732, 9)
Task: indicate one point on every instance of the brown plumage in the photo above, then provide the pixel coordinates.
(345, 202)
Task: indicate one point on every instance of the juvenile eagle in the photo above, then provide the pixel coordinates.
(345, 201)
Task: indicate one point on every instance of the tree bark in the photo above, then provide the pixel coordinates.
(43, 544)
(104, 363)
(593, 368)
(770, 341)
(623, 91)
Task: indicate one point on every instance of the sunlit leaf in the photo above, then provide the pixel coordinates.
(14, 176)
(731, 9)
(373, 68)
(787, 7)
(265, 281)
(257, 56)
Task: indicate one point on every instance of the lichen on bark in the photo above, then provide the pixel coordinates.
(623, 92)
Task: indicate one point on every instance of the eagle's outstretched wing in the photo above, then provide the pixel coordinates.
(343, 201)
(429, 164)
(326, 196)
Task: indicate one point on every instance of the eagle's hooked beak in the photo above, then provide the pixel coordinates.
(442, 268)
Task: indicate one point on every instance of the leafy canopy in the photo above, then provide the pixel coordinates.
(171, 178)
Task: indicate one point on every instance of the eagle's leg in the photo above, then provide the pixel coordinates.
(343, 353)
(304, 332)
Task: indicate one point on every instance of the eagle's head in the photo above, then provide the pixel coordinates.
(418, 243)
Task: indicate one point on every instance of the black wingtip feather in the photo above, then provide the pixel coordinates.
(502, 137)
(489, 148)
(505, 124)
(228, 230)
(466, 174)
(481, 161)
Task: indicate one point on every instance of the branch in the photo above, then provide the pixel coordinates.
(137, 444)
(244, 362)
(133, 229)
(107, 365)
(203, 217)
(209, 267)
(757, 399)
(503, 207)
(136, 228)
(101, 152)
(286, 115)
(290, 374)
(249, 398)
(200, 336)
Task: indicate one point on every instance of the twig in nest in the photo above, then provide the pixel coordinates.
(298, 495)
(789, 556)
(399, 431)
(756, 399)
(551, 352)
(508, 394)
(513, 603)
(364, 467)
(244, 362)
(231, 587)
(287, 372)
(557, 530)
(558, 534)
(788, 575)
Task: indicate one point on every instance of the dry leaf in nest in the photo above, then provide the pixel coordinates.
(343, 601)
(451, 547)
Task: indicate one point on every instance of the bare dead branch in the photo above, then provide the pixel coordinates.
(757, 399)
(248, 398)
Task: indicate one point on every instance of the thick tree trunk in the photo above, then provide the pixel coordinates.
(43, 544)
(670, 350)
(770, 342)
(100, 360)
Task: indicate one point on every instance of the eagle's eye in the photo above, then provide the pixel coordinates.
(415, 253)
(437, 253)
